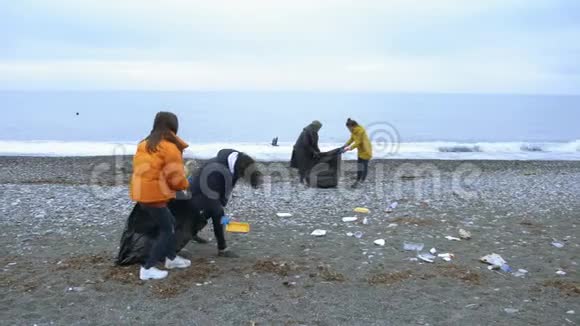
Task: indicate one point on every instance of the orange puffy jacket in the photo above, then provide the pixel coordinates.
(158, 175)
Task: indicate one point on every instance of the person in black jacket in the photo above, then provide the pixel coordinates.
(306, 151)
(212, 186)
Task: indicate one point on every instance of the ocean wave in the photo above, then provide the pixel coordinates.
(460, 149)
(532, 148)
(266, 152)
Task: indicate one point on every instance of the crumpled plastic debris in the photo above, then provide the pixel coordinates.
(392, 207)
(465, 235)
(496, 262)
(410, 246)
(558, 244)
(446, 256)
(427, 258)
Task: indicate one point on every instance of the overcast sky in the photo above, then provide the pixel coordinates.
(480, 46)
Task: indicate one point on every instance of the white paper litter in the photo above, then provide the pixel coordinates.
(446, 257)
(318, 233)
(349, 219)
(380, 242)
(283, 214)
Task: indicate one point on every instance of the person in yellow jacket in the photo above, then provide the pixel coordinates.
(158, 174)
(360, 141)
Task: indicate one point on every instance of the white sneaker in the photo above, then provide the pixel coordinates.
(152, 274)
(178, 262)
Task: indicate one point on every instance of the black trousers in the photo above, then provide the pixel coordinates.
(164, 245)
(214, 210)
(363, 170)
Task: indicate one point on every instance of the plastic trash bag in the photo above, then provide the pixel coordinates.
(141, 230)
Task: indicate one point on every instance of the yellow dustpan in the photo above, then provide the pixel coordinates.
(238, 227)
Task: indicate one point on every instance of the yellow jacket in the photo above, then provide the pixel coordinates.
(361, 142)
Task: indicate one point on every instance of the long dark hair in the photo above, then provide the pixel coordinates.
(165, 127)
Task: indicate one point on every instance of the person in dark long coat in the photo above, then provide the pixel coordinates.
(306, 151)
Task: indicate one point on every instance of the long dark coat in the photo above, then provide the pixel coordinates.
(305, 151)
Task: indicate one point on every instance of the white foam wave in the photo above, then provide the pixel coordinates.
(266, 152)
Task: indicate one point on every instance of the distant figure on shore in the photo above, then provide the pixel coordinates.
(360, 141)
(275, 142)
(306, 150)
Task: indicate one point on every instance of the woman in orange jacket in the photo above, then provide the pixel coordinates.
(158, 173)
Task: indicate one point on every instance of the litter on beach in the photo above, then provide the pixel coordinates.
(365, 221)
(520, 273)
(349, 219)
(358, 234)
(318, 233)
(362, 210)
(450, 238)
(493, 260)
(465, 235)
(410, 246)
(446, 257)
(238, 227)
(380, 242)
(561, 273)
(283, 214)
(433, 251)
(427, 258)
(392, 207)
(558, 244)
(496, 262)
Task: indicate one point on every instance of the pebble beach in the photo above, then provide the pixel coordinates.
(62, 219)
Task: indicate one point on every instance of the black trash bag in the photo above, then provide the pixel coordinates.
(141, 230)
(326, 170)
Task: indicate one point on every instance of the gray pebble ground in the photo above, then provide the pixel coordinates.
(62, 219)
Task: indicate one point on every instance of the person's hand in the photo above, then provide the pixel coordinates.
(227, 254)
(348, 149)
